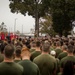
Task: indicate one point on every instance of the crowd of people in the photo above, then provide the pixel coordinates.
(37, 56)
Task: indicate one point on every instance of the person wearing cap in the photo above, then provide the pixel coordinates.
(30, 68)
(46, 62)
(8, 66)
(70, 58)
(53, 53)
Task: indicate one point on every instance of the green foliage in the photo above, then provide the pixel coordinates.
(29, 6)
(35, 8)
(21, 7)
(63, 12)
(46, 25)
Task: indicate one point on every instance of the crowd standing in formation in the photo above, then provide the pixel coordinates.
(37, 56)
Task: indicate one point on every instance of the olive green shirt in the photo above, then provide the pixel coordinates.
(66, 65)
(65, 59)
(34, 54)
(30, 68)
(10, 68)
(46, 64)
(62, 55)
(17, 61)
(58, 51)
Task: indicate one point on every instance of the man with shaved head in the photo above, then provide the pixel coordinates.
(8, 66)
(46, 62)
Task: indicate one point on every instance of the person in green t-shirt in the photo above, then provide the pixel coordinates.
(30, 68)
(8, 66)
(66, 63)
(33, 45)
(17, 54)
(53, 53)
(46, 62)
(64, 53)
(58, 48)
(36, 52)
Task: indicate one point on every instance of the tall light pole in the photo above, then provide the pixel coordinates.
(22, 29)
(15, 26)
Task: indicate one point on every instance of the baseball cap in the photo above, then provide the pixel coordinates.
(53, 52)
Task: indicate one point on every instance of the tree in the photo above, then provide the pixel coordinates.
(29, 6)
(46, 25)
(35, 8)
(63, 13)
(3, 27)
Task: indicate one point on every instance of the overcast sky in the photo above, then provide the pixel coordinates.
(9, 18)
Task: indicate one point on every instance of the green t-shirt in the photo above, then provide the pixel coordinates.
(46, 64)
(65, 59)
(32, 50)
(58, 51)
(17, 61)
(34, 54)
(58, 66)
(62, 55)
(10, 68)
(30, 68)
(59, 73)
(67, 64)
(52, 48)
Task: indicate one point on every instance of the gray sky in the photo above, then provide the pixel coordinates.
(9, 18)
